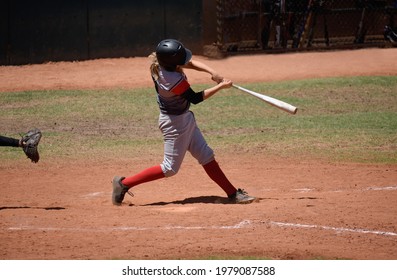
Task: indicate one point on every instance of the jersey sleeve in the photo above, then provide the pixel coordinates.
(180, 87)
(183, 89)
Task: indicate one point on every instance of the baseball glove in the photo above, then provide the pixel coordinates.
(30, 141)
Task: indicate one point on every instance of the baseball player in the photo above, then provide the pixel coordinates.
(177, 122)
(28, 143)
(390, 35)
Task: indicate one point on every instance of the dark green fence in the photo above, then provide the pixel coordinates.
(54, 30)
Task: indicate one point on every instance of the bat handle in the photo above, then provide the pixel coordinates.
(237, 87)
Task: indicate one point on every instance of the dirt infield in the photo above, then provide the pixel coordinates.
(306, 209)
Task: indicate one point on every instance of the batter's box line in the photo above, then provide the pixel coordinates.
(371, 188)
(330, 228)
(241, 225)
(391, 188)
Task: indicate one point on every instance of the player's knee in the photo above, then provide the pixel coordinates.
(205, 156)
(169, 170)
(170, 173)
(207, 159)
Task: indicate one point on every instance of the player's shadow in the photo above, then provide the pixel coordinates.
(194, 200)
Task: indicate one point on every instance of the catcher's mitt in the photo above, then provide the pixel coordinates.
(30, 141)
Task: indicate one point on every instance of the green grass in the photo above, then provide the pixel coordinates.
(339, 119)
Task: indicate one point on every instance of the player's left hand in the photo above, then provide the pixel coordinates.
(226, 83)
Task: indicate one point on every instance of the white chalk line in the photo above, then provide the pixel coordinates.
(95, 194)
(336, 229)
(391, 188)
(373, 188)
(241, 225)
(301, 190)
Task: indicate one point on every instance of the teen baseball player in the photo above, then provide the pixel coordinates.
(177, 122)
(28, 143)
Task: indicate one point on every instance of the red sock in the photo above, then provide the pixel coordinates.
(216, 174)
(147, 175)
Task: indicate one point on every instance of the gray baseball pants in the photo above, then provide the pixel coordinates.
(181, 134)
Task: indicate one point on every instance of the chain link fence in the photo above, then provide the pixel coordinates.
(281, 25)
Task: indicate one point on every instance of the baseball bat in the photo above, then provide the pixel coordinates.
(270, 100)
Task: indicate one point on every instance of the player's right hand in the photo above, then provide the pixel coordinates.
(217, 78)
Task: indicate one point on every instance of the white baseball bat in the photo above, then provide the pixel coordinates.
(270, 100)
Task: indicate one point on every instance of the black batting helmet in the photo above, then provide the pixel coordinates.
(171, 53)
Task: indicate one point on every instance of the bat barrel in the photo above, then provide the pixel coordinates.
(270, 100)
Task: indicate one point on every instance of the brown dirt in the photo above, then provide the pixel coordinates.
(306, 210)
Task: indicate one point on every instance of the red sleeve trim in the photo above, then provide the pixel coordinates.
(181, 87)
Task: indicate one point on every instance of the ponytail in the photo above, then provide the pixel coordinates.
(154, 67)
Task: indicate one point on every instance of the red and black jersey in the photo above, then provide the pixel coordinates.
(174, 94)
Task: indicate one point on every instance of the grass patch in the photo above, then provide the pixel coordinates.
(339, 119)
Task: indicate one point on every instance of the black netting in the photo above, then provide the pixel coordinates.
(301, 24)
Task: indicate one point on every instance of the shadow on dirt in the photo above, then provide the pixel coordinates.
(31, 207)
(200, 199)
(193, 200)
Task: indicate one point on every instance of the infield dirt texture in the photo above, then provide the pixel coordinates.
(308, 209)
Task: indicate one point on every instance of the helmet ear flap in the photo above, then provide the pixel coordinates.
(171, 53)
